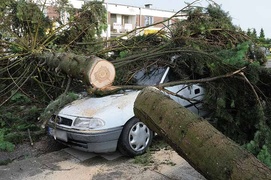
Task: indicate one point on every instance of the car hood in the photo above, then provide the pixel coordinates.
(117, 107)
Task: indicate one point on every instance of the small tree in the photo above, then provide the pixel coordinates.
(262, 36)
(254, 34)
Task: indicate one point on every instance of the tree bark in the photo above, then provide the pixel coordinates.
(92, 70)
(210, 152)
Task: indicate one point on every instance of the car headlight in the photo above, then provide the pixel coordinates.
(90, 123)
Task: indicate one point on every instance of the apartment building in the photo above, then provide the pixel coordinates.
(122, 18)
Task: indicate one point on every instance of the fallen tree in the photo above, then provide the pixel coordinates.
(206, 45)
(210, 152)
(93, 70)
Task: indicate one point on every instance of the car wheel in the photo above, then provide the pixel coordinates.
(135, 138)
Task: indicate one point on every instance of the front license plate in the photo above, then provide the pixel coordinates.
(58, 134)
(62, 135)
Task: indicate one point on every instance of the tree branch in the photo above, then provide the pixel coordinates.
(114, 89)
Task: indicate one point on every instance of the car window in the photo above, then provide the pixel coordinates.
(150, 76)
(197, 91)
(171, 76)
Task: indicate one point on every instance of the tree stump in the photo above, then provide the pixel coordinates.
(210, 152)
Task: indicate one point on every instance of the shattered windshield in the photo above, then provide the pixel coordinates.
(150, 76)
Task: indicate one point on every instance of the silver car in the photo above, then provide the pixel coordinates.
(105, 124)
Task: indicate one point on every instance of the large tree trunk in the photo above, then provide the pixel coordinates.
(210, 152)
(92, 70)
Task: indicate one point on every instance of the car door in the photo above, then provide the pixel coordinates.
(187, 95)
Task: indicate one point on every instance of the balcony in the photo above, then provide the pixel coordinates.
(120, 29)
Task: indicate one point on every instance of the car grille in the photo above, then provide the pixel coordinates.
(62, 120)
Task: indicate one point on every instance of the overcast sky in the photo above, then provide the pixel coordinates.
(244, 13)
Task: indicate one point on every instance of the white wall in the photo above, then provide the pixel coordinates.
(132, 10)
(121, 9)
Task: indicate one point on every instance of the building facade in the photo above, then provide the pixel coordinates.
(121, 18)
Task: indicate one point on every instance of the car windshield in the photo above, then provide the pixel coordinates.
(150, 76)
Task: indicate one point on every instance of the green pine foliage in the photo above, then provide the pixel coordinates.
(57, 104)
(18, 116)
(83, 34)
(5, 145)
(265, 156)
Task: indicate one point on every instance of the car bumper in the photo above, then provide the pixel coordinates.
(90, 141)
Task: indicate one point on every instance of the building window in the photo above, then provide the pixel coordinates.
(148, 20)
(125, 19)
(113, 19)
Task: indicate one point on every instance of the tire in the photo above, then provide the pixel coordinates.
(135, 138)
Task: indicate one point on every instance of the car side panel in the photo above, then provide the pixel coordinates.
(188, 96)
